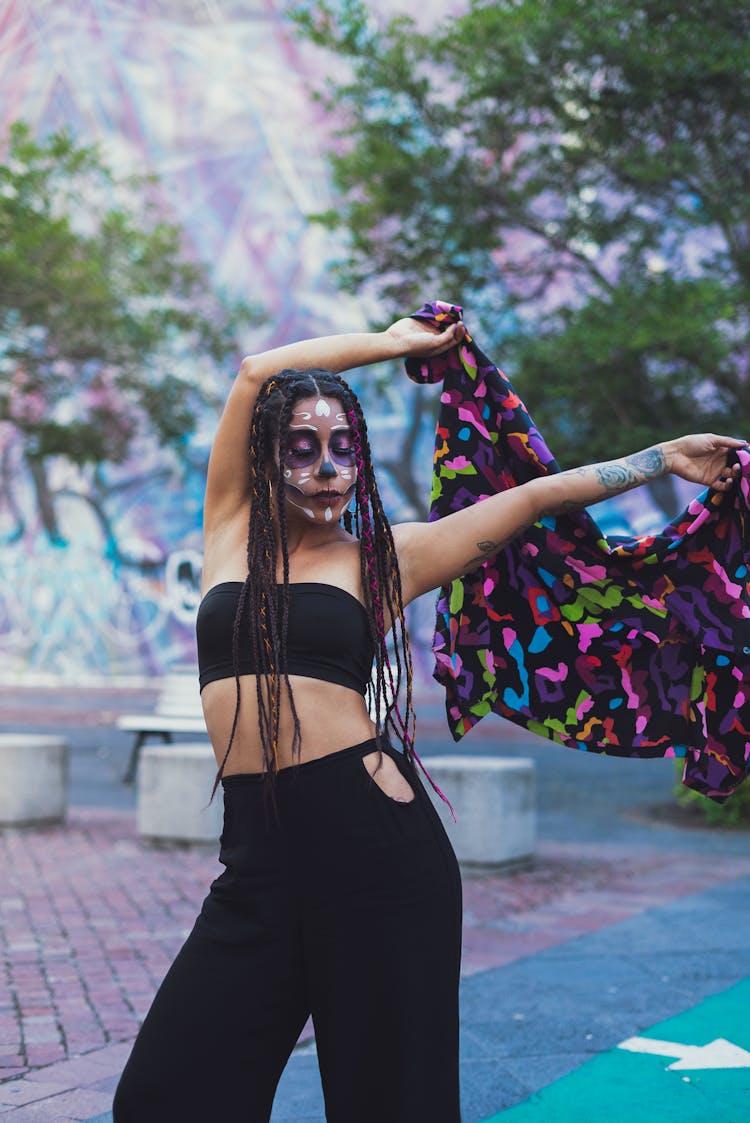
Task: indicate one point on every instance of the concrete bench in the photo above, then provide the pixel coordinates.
(494, 799)
(174, 786)
(178, 712)
(33, 779)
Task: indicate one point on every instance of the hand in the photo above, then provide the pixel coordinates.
(421, 340)
(702, 459)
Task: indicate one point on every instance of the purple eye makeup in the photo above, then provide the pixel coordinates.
(342, 452)
(303, 450)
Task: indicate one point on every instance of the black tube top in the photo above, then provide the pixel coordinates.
(328, 635)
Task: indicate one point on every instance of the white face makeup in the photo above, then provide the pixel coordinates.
(319, 470)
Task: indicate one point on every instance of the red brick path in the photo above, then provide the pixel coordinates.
(91, 919)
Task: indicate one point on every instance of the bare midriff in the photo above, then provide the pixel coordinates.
(331, 717)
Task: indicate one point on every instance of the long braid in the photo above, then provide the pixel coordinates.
(262, 561)
(259, 601)
(381, 578)
(259, 531)
(285, 415)
(382, 567)
(370, 582)
(380, 563)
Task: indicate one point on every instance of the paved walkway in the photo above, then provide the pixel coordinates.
(561, 962)
(92, 918)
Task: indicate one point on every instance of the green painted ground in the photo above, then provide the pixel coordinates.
(625, 1087)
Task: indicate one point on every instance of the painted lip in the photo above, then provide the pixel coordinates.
(327, 495)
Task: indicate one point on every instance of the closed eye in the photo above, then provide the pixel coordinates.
(343, 452)
(301, 446)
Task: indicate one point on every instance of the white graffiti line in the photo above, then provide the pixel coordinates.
(717, 1054)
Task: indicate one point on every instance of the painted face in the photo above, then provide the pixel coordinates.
(320, 468)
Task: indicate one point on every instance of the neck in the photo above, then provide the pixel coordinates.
(301, 537)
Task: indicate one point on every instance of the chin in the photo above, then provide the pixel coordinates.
(328, 517)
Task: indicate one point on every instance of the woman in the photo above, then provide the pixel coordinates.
(341, 895)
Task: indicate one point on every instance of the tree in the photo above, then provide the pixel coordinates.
(576, 173)
(107, 331)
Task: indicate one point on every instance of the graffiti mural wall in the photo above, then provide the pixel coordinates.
(214, 98)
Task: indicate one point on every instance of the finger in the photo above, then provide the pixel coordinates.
(449, 338)
(426, 327)
(726, 477)
(731, 442)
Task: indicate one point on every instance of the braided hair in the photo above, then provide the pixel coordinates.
(264, 605)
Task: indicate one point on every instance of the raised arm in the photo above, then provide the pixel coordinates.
(433, 554)
(226, 487)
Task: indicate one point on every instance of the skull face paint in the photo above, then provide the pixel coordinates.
(319, 469)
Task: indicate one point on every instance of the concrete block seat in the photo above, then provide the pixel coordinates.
(33, 779)
(178, 712)
(174, 786)
(494, 799)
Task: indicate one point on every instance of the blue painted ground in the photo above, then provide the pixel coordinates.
(527, 1025)
(623, 1085)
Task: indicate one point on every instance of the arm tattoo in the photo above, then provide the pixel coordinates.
(617, 475)
(489, 549)
(614, 476)
(650, 462)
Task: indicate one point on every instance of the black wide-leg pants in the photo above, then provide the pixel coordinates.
(348, 907)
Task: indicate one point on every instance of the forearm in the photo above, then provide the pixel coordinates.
(336, 353)
(580, 487)
(433, 554)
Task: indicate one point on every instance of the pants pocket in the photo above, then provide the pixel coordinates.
(387, 781)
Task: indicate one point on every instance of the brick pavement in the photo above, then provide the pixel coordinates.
(92, 917)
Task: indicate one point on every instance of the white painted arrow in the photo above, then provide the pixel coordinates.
(718, 1054)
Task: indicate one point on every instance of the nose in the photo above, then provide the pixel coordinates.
(327, 470)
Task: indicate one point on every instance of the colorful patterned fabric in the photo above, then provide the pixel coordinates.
(628, 646)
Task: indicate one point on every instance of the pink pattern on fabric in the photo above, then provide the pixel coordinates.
(654, 630)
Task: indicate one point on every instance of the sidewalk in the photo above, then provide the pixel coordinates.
(591, 946)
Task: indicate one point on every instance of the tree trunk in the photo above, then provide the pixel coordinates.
(401, 468)
(45, 502)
